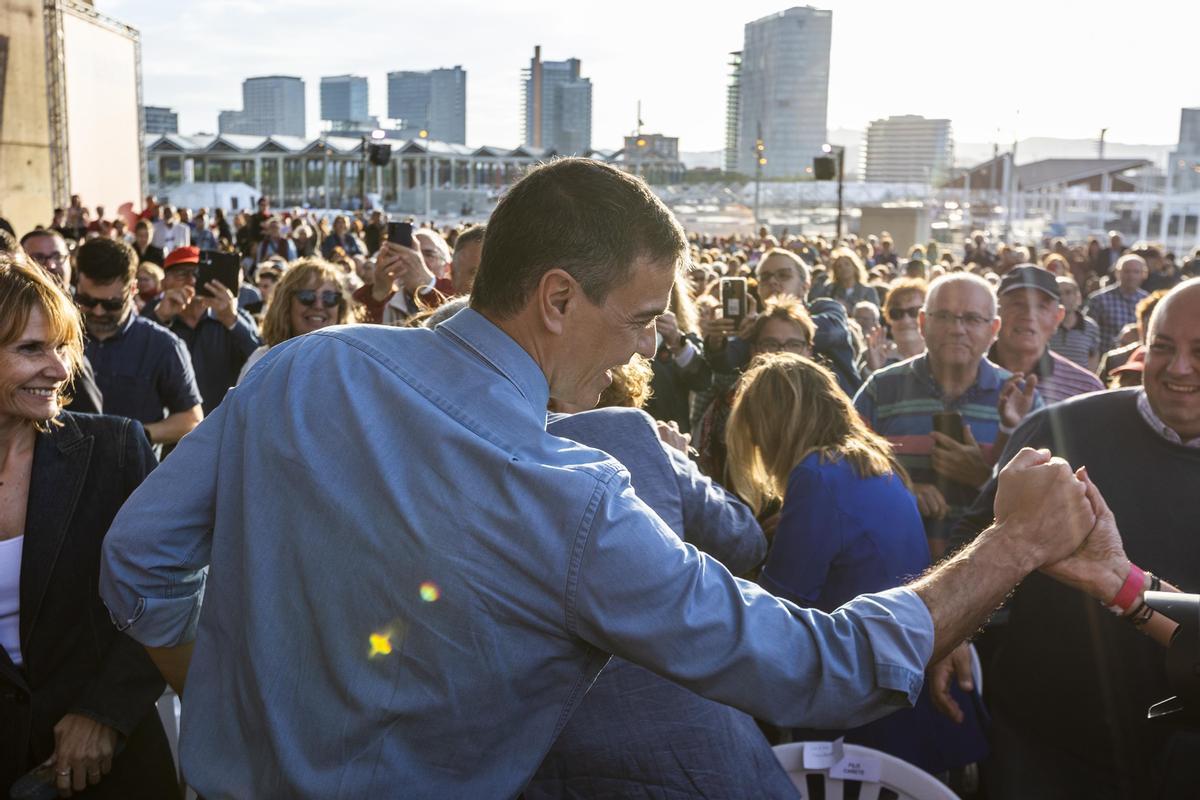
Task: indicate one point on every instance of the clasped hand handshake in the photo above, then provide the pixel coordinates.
(1055, 521)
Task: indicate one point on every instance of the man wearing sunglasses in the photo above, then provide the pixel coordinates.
(143, 369)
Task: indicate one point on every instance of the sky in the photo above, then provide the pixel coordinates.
(1000, 71)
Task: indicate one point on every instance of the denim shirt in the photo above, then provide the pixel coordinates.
(404, 584)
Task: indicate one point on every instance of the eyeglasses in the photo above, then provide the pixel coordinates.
(912, 312)
(109, 304)
(46, 259)
(329, 298)
(780, 275)
(969, 320)
(787, 345)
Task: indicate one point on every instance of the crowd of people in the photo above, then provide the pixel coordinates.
(827, 443)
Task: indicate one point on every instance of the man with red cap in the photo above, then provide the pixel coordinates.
(219, 335)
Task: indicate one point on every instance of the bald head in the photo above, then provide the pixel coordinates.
(1172, 373)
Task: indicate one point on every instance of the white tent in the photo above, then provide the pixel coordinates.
(229, 196)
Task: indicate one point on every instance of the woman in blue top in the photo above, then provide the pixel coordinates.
(849, 526)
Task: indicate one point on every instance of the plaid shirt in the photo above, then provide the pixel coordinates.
(1113, 310)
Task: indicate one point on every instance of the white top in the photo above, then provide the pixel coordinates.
(10, 597)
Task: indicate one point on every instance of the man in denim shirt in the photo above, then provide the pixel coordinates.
(410, 583)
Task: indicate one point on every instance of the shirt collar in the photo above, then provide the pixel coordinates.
(502, 353)
(1160, 427)
(1078, 326)
(988, 377)
(1044, 366)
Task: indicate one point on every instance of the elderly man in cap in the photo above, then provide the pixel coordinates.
(219, 335)
(1030, 313)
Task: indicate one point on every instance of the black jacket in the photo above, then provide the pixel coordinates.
(74, 659)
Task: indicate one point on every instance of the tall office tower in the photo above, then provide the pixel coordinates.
(272, 104)
(783, 90)
(434, 101)
(344, 101)
(158, 119)
(909, 149)
(557, 106)
(732, 116)
(1184, 168)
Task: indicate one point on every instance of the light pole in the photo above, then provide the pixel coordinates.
(841, 179)
(375, 136)
(760, 161)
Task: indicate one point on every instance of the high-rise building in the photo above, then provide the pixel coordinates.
(159, 119)
(434, 101)
(908, 149)
(1184, 168)
(732, 115)
(344, 100)
(783, 90)
(272, 104)
(557, 106)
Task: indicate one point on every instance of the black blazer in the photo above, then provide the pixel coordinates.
(74, 658)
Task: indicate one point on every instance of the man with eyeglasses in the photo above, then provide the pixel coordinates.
(959, 324)
(144, 370)
(219, 335)
(48, 249)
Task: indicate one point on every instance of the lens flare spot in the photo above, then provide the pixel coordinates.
(381, 644)
(430, 592)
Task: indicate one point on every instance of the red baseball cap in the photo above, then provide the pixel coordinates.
(1136, 362)
(182, 255)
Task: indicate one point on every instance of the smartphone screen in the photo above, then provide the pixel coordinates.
(400, 233)
(222, 266)
(733, 298)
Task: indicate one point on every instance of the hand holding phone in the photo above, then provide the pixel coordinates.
(733, 298)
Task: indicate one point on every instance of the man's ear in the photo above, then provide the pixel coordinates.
(557, 291)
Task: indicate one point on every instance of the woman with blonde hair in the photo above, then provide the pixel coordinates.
(849, 525)
(72, 688)
(847, 280)
(311, 295)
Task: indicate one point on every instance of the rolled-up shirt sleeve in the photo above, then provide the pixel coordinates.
(155, 558)
(637, 591)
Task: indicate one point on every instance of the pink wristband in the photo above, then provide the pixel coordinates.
(1131, 590)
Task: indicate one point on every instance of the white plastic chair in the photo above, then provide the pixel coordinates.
(897, 779)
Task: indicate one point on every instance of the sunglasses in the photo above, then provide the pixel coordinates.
(113, 304)
(900, 313)
(329, 298)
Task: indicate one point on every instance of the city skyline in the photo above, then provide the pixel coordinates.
(676, 63)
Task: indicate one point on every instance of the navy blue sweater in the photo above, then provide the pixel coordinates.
(1066, 671)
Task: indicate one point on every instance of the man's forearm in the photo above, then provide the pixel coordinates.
(173, 663)
(175, 426)
(964, 591)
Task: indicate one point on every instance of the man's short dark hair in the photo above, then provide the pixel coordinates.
(470, 236)
(8, 242)
(575, 214)
(103, 261)
(36, 232)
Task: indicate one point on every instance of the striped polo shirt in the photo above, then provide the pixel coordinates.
(899, 402)
(1078, 342)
